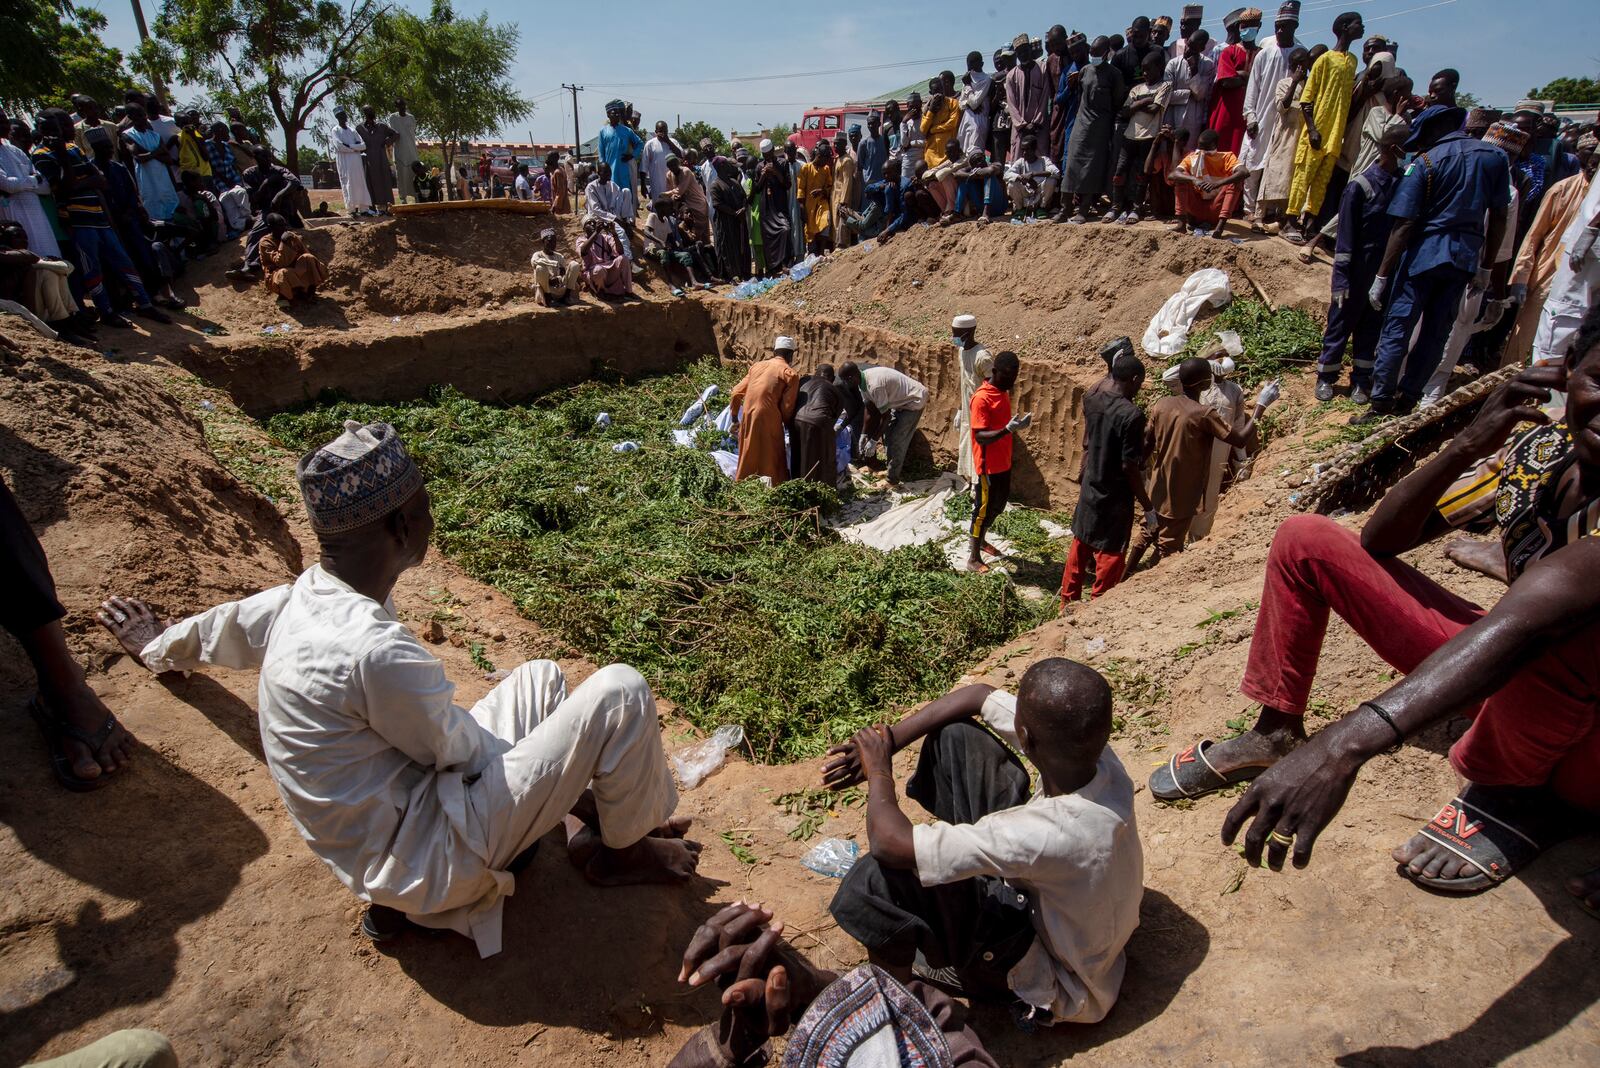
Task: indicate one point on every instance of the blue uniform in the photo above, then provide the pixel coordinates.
(871, 155)
(1364, 225)
(1446, 192)
(615, 143)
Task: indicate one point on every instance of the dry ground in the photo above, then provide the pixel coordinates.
(182, 898)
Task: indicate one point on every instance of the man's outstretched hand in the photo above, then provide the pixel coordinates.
(847, 764)
(1297, 797)
(132, 623)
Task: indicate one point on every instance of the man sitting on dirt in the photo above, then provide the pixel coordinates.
(1026, 900)
(606, 200)
(1528, 670)
(1208, 185)
(1178, 445)
(556, 277)
(419, 806)
(606, 270)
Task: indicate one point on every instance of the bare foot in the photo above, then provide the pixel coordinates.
(675, 827)
(1423, 856)
(977, 567)
(1586, 888)
(649, 860)
(1475, 554)
(132, 623)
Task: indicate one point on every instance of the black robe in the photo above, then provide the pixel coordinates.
(772, 183)
(730, 227)
(1101, 93)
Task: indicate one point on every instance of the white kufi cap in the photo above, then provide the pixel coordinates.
(784, 343)
(964, 322)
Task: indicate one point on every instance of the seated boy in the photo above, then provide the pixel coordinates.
(1010, 897)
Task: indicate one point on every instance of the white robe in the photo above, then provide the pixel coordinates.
(1227, 400)
(350, 153)
(20, 186)
(975, 363)
(412, 801)
(973, 133)
(1271, 65)
(1571, 292)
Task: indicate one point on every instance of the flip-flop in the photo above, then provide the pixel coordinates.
(55, 730)
(1478, 827)
(1189, 774)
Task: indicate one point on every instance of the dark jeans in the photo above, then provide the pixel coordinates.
(1352, 320)
(1128, 186)
(99, 251)
(979, 926)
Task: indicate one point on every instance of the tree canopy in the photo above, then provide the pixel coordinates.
(690, 134)
(1569, 91)
(452, 72)
(53, 51)
(277, 61)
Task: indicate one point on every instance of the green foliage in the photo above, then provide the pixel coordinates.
(1467, 100)
(780, 133)
(1566, 91)
(453, 73)
(739, 844)
(690, 134)
(275, 60)
(814, 806)
(1272, 339)
(733, 599)
(53, 50)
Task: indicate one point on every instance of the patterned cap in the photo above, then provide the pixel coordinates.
(1481, 118)
(1588, 142)
(1077, 39)
(1231, 19)
(1535, 107)
(357, 478)
(1162, 20)
(1507, 137)
(1194, 11)
(1289, 11)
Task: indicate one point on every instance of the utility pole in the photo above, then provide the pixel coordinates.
(576, 137)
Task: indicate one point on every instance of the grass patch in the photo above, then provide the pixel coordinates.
(1274, 341)
(733, 599)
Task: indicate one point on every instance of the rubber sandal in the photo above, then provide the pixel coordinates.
(1189, 774)
(1476, 826)
(55, 729)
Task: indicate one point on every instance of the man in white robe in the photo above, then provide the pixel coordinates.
(418, 806)
(20, 187)
(973, 364)
(1576, 282)
(1227, 400)
(973, 133)
(404, 124)
(350, 154)
(1271, 66)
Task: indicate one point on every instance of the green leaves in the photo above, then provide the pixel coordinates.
(734, 600)
(1271, 339)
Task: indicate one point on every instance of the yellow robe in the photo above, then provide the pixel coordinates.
(1328, 90)
(846, 183)
(814, 190)
(939, 130)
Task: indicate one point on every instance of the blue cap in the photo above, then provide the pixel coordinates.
(1435, 116)
(855, 127)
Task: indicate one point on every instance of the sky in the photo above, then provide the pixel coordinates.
(682, 50)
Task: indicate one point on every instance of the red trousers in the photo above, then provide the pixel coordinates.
(1539, 727)
(1201, 210)
(1108, 568)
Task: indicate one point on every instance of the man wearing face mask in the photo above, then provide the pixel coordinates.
(1100, 96)
(972, 365)
(1270, 66)
(1233, 73)
(1026, 96)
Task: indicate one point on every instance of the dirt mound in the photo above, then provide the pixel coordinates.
(115, 473)
(1043, 290)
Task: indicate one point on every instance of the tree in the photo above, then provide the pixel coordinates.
(453, 73)
(53, 51)
(780, 133)
(277, 61)
(1569, 91)
(1467, 100)
(690, 134)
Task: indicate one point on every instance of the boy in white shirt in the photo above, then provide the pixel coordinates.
(1014, 898)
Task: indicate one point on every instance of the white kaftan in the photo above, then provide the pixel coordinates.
(1270, 66)
(405, 153)
(414, 802)
(975, 363)
(20, 186)
(350, 154)
(1571, 292)
(1227, 400)
(973, 133)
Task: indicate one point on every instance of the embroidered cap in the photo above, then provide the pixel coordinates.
(1507, 137)
(1289, 11)
(359, 477)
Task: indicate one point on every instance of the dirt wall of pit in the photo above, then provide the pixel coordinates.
(506, 356)
(1047, 456)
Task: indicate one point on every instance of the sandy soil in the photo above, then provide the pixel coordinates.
(182, 898)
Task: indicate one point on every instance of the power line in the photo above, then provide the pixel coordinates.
(781, 77)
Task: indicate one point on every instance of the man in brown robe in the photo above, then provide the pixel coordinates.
(287, 267)
(763, 403)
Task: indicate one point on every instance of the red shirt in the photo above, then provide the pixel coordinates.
(991, 410)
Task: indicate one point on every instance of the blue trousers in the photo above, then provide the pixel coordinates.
(1352, 320)
(1433, 297)
(100, 250)
(985, 196)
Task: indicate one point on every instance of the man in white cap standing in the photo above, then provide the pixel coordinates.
(1260, 116)
(972, 365)
(764, 402)
(419, 806)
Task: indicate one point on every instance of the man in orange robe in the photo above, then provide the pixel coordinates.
(763, 403)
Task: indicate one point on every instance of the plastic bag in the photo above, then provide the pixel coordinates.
(832, 857)
(625, 446)
(602, 420)
(694, 763)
